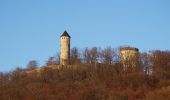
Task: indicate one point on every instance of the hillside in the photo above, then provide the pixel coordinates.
(90, 81)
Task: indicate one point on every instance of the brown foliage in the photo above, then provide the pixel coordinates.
(89, 81)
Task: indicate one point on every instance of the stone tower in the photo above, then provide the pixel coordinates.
(129, 57)
(65, 49)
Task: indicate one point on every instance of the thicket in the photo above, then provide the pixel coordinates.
(94, 75)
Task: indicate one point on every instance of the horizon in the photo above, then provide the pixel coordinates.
(30, 30)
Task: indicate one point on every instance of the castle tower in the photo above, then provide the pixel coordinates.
(65, 48)
(129, 57)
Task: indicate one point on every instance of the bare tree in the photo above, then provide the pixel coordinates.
(86, 56)
(90, 55)
(75, 55)
(161, 63)
(94, 54)
(146, 63)
(58, 58)
(51, 61)
(107, 55)
(33, 64)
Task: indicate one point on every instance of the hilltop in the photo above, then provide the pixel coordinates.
(86, 80)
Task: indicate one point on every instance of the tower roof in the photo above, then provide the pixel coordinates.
(65, 34)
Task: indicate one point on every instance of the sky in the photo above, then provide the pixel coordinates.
(30, 29)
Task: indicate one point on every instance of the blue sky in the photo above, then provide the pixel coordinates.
(30, 29)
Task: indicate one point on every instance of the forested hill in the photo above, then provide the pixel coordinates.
(88, 79)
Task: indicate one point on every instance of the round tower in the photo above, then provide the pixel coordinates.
(65, 48)
(129, 57)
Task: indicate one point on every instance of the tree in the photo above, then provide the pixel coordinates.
(33, 64)
(75, 55)
(146, 63)
(107, 55)
(161, 63)
(51, 61)
(86, 56)
(90, 55)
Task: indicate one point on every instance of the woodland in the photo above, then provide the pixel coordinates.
(94, 74)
